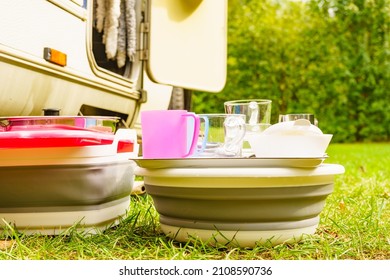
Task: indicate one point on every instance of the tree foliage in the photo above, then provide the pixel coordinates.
(327, 57)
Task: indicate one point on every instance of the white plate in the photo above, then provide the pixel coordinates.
(228, 162)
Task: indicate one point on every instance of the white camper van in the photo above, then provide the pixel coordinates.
(108, 57)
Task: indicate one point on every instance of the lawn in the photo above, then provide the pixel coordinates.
(355, 224)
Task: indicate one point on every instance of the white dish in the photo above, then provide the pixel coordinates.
(229, 162)
(290, 139)
(289, 146)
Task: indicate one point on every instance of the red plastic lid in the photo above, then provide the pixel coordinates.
(53, 136)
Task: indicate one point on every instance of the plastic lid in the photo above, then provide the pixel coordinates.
(53, 138)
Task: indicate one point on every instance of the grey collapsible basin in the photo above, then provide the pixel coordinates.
(239, 206)
(49, 190)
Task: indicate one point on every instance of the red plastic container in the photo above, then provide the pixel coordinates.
(53, 136)
(59, 131)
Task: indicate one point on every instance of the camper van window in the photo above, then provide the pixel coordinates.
(114, 35)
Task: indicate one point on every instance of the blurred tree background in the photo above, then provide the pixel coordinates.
(327, 57)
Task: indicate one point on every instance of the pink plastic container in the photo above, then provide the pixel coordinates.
(165, 133)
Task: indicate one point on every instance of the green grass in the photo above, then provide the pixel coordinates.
(355, 224)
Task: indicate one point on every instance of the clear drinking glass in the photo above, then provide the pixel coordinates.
(293, 117)
(257, 116)
(221, 135)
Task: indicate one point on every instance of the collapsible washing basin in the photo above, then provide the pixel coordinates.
(238, 206)
(48, 190)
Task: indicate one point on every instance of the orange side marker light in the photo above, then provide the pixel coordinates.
(54, 56)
